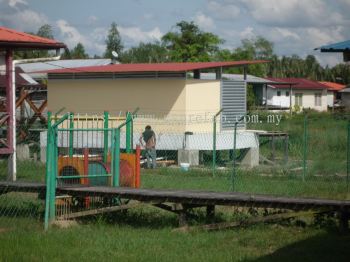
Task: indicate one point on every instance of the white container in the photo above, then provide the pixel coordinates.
(184, 166)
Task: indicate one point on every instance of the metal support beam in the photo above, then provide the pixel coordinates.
(290, 99)
(196, 74)
(266, 106)
(11, 121)
(245, 73)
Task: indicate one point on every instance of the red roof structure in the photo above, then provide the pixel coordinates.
(12, 39)
(156, 67)
(298, 83)
(333, 86)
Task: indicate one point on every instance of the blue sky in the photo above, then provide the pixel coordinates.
(294, 26)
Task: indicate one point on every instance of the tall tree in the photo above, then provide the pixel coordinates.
(190, 43)
(113, 42)
(43, 31)
(78, 52)
(145, 53)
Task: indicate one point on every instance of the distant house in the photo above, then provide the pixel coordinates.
(164, 88)
(333, 95)
(340, 47)
(174, 98)
(288, 93)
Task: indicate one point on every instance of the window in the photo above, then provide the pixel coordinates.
(287, 93)
(299, 99)
(278, 93)
(318, 99)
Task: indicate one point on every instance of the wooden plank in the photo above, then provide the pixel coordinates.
(22, 187)
(193, 198)
(255, 220)
(209, 198)
(99, 211)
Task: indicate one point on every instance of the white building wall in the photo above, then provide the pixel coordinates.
(279, 101)
(308, 98)
(330, 98)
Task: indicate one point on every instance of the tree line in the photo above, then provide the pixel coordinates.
(188, 43)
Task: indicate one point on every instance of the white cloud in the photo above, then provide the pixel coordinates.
(223, 11)
(13, 3)
(204, 22)
(70, 34)
(93, 43)
(92, 19)
(293, 13)
(286, 33)
(148, 16)
(135, 34)
(330, 59)
(247, 33)
(24, 20)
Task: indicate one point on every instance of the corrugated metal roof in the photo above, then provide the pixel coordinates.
(345, 90)
(298, 83)
(336, 47)
(333, 86)
(157, 67)
(22, 79)
(237, 77)
(61, 64)
(10, 38)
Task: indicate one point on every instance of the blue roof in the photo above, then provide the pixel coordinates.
(336, 47)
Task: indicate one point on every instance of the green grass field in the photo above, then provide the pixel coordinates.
(146, 233)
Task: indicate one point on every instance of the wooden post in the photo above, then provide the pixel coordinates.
(210, 212)
(290, 99)
(137, 167)
(266, 106)
(273, 147)
(344, 222)
(196, 74)
(183, 218)
(286, 139)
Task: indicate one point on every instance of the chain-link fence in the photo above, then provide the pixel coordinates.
(26, 202)
(299, 155)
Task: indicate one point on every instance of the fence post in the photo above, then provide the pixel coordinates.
(128, 132)
(214, 141)
(214, 145)
(48, 170)
(348, 159)
(53, 174)
(71, 126)
(234, 153)
(105, 136)
(234, 158)
(305, 146)
(116, 154)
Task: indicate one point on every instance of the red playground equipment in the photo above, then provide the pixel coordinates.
(91, 156)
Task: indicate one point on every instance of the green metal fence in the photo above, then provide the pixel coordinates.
(304, 155)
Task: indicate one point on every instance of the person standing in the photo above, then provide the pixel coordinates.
(149, 138)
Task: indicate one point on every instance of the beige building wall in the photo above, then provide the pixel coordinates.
(202, 102)
(168, 105)
(309, 99)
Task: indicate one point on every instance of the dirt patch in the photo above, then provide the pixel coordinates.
(65, 223)
(4, 230)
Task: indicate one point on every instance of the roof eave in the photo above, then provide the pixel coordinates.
(28, 45)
